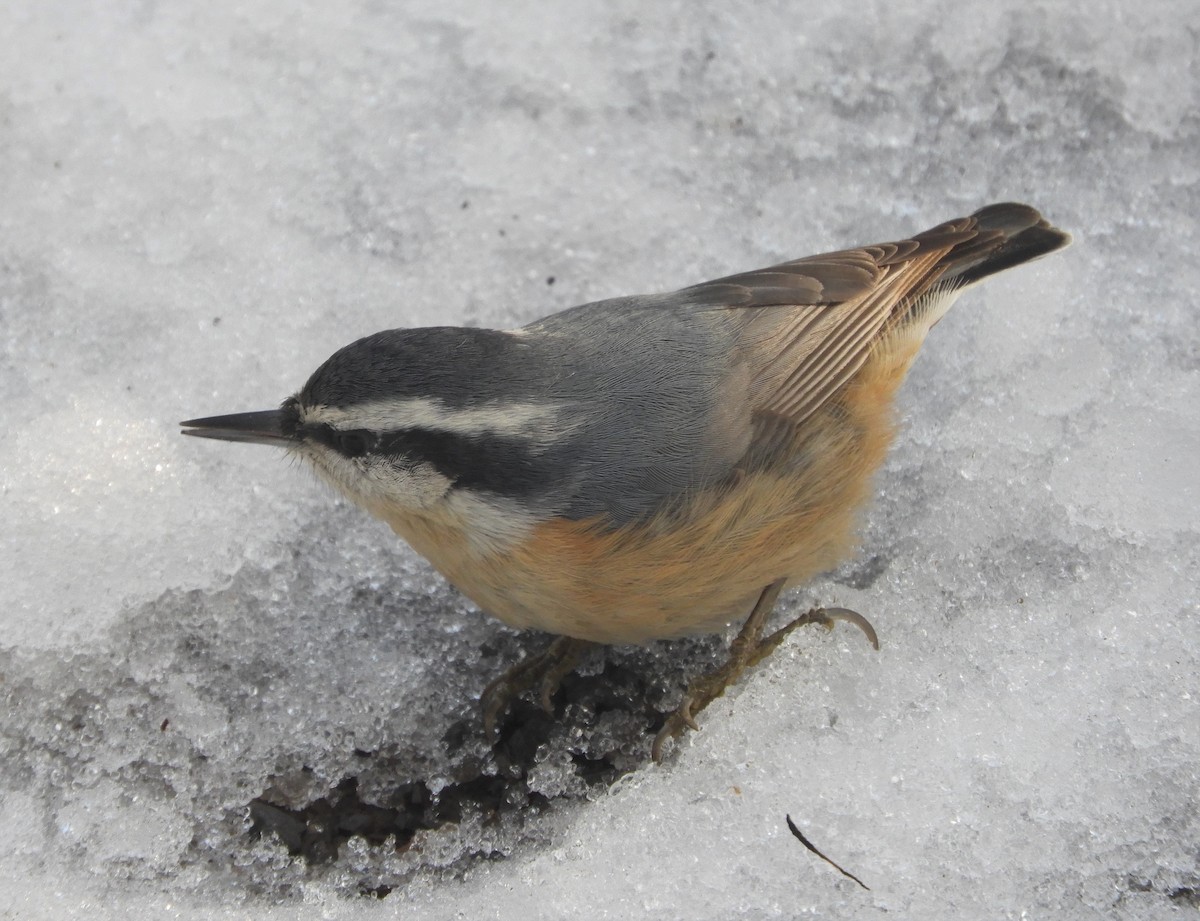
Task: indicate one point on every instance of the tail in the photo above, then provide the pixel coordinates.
(1006, 235)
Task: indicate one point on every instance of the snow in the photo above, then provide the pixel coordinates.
(198, 642)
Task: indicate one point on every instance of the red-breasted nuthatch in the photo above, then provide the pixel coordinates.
(644, 467)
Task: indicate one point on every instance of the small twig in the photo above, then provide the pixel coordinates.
(812, 847)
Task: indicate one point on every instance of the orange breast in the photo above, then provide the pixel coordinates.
(695, 568)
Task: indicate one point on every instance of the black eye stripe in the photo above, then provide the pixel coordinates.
(347, 442)
(492, 463)
(499, 464)
(354, 443)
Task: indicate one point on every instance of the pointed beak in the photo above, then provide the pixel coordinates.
(262, 428)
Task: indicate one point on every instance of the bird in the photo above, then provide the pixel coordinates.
(648, 467)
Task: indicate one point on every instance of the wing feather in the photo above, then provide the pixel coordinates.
(834, 306)
(810, 368)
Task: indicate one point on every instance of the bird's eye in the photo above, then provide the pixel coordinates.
(353, 443)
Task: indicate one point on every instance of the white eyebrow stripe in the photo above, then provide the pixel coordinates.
(539, 420)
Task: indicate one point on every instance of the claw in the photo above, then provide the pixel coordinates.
(685, 714)
(851, 617)
(670, 730)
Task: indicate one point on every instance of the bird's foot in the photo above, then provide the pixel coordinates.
(749, 648)
(544, 672)
(825, 617)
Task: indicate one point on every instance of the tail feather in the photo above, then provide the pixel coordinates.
(1007, 235)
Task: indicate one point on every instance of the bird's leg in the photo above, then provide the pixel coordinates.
(545, 672)
(749, 648)
(707, 688)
